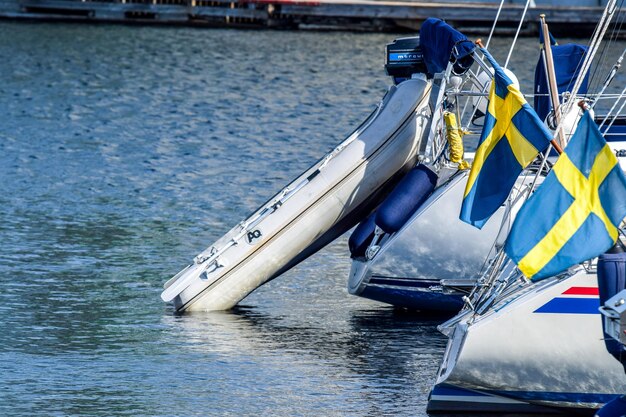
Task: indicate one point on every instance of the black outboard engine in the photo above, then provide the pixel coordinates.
(404, 58)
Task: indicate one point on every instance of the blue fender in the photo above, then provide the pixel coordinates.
(406, 198)
(614, 408)
(362, 236)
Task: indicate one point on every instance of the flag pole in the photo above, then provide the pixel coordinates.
(554, 92)
(554, 143)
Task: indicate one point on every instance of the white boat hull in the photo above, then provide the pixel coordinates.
(328, 199)
(539, 349)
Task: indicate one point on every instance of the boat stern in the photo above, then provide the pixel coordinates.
(541, 346)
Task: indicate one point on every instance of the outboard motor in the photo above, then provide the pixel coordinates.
(404, 58)
(429, 53)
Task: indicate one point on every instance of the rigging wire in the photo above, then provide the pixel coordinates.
(597, 37)
(593, 48)
(608, 115)
(609, 78)
(616, 114)
(493, 27)
(602, 61)
(521, 22)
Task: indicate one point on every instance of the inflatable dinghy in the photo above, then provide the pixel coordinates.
(317, 207)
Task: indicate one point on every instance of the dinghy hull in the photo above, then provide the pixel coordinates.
(321, 204)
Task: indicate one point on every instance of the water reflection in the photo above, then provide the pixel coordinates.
(381, 361)
(124, 151)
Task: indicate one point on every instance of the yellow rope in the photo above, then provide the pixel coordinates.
(454, 135)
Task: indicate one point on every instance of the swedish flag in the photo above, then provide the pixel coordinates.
(512, 137)
(574, 214)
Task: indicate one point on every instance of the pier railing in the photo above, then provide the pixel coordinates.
(369, 15)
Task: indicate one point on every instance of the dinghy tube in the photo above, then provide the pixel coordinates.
(321, 204)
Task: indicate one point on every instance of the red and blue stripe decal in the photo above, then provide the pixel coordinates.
(574, 300)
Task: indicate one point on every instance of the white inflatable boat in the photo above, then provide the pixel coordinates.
(318, 206)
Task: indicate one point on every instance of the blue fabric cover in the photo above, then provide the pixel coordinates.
(611, 280)
(362, 236)
(406, 198)
(614, 408)
(611, 274)
(441, 43)
(567, 62)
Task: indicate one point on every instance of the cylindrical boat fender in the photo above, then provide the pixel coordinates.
(611, 280)
(362, 236)
(405, 199)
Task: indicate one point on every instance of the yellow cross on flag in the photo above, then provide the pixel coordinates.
(574, 214)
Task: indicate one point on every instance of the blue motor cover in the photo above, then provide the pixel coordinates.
(441, 43)
(611, 280)
(362, 236)
(405, 199)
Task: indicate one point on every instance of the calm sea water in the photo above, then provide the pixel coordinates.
(124, 151)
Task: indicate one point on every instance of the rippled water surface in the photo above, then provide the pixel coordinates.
(124, 151)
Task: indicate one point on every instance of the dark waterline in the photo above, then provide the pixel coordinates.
(124, 151)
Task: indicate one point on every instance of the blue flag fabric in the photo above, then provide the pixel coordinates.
(574, 214)
(512, 137)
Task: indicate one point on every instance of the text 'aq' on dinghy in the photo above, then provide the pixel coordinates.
(315, 208)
